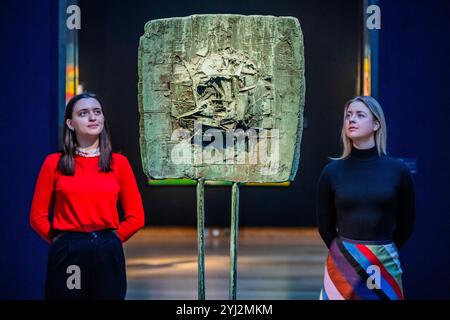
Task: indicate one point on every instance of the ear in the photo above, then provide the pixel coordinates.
(69, 124)
(376, 126)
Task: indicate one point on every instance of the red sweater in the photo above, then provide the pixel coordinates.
(86, 201)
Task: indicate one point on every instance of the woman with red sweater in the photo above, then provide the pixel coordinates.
(81, 186)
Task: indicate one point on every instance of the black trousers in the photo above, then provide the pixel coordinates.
(86, 266)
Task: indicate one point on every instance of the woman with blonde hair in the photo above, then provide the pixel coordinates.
(365, 210)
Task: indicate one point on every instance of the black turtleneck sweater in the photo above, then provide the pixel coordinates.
(366, 197)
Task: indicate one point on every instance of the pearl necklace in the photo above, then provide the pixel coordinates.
(87, 153)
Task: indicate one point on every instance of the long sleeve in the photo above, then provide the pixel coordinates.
(326, 212)
(406, 211)
(43, 200)
(131, 202)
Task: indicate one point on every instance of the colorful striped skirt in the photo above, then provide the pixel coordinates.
(362, 270)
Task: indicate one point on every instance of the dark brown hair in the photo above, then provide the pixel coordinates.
(69, 140)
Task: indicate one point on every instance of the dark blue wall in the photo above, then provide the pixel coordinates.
(415, 93)
(28, 69)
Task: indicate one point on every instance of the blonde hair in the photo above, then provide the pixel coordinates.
(380, 135)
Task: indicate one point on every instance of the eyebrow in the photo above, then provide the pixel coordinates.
(359, 111)
(85, 109)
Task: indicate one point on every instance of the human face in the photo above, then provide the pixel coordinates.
(87, 118)
(360, 124)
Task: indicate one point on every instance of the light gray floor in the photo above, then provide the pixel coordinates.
(273, 263)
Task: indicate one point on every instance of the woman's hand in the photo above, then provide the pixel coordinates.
(115, 232)
(54, 239)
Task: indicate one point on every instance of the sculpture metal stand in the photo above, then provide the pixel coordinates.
(201, 239)
(234, 239)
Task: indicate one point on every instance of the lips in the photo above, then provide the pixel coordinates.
(92, 126)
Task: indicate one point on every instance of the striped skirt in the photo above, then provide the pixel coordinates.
(362, 270)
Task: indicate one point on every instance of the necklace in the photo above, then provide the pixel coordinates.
(87, 153)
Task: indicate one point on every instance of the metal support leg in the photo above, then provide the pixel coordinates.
(201, 238)
(234, 239)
